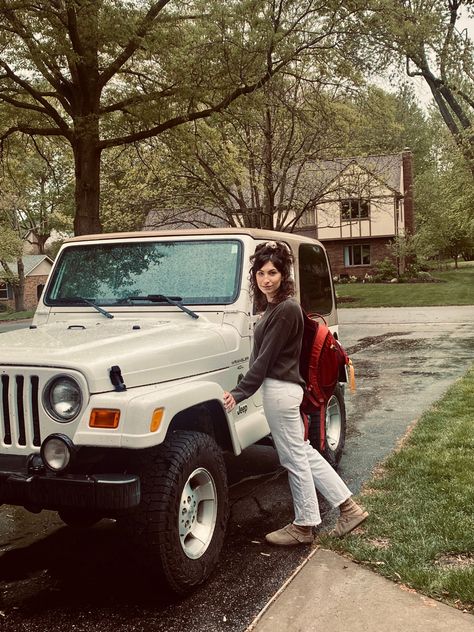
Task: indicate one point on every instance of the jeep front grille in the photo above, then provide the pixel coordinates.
(19, 411)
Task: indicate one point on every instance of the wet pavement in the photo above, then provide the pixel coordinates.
(405, 359)
(55, 578)
(7, 325)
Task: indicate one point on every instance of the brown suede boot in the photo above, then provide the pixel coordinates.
(291, 535)
(351, 517)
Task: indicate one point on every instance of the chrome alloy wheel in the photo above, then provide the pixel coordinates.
(333, 423)
(197, 513)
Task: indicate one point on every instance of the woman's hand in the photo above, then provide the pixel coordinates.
(229, 401)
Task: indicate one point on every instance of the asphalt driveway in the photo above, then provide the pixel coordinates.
(405, 359)
(56, 579)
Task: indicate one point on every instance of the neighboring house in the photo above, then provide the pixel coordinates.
(32, 246)
(366, 203)
(37, 268)
(355, 206)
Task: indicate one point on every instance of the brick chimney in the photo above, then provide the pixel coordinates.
(407, 171)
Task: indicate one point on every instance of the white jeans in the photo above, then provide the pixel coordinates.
(306, 467)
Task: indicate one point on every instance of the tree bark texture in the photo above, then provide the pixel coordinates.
(19, 287)
(87, 190)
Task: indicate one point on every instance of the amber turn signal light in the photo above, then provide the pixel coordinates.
(156, 419)
(104, 418)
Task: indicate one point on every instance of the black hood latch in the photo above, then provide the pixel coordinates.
(116, 378)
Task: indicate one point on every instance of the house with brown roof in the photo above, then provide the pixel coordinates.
(356, 206)
(37, 268)
(365, 202)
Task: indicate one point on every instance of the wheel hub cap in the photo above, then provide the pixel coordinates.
(197, 513)
(333, 423)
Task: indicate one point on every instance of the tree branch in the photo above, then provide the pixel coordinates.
(453, 7)
(37, 96)
(30, 131)
(136, 100)
(45, 65)
(191, 116)
(133, 44)
(21, 104)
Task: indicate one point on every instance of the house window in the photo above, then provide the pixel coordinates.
(357, 255)
(354, 208)
(4, 295)
(308, 218)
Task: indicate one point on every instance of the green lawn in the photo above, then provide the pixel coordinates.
(420, 531)
(457, 288)
(15, 315)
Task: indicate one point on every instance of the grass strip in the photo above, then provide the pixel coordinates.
(420, 531)
(10, 316)
(457, 289)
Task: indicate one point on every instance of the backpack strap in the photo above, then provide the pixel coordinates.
(314, 315)
(304, 416)
(318, 345)
(322, 427)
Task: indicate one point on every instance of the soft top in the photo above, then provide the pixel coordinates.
(255, 233)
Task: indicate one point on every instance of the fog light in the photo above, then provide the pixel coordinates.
(56, 452)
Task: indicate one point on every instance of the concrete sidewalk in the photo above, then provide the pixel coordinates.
(329, 593)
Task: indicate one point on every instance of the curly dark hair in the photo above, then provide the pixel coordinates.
(280, 255)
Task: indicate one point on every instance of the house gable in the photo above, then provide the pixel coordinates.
(361, 210)
(362, 199)
(35, 265)
(37, 269)
(40, 268)
(359, 180)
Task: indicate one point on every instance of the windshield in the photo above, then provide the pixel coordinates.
(196, 272)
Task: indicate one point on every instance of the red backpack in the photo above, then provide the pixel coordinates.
(322, 366)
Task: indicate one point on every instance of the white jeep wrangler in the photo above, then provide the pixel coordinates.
(111, 402)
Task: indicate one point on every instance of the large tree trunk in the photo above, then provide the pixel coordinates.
(87, 194)
(268, 193)
(41, 240)
(86, 138)
(453, 116)
(19, 288)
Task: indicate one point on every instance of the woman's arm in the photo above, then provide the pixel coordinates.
(282, 325)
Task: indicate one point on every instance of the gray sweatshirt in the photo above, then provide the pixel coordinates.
(276, 350)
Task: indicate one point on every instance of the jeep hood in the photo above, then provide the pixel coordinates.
(146, 352)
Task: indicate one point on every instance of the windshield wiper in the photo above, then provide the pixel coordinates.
(80, 299)
(161, 298)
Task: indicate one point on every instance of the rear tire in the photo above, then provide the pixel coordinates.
(179, 526)
(335, 430)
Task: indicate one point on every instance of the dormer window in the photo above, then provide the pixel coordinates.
(354, 208)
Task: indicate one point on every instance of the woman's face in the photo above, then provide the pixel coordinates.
(268, 280)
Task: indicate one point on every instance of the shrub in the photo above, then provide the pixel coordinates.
(385, 270)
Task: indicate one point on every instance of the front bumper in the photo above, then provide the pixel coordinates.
(105, 493)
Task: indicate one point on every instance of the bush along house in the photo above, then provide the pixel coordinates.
(366, 203)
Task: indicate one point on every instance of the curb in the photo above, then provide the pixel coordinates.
(282, 588)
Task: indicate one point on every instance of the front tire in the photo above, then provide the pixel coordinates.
(335, 428)
(179, 526)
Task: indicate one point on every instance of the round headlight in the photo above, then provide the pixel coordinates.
(56, 452)
(62, 398)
